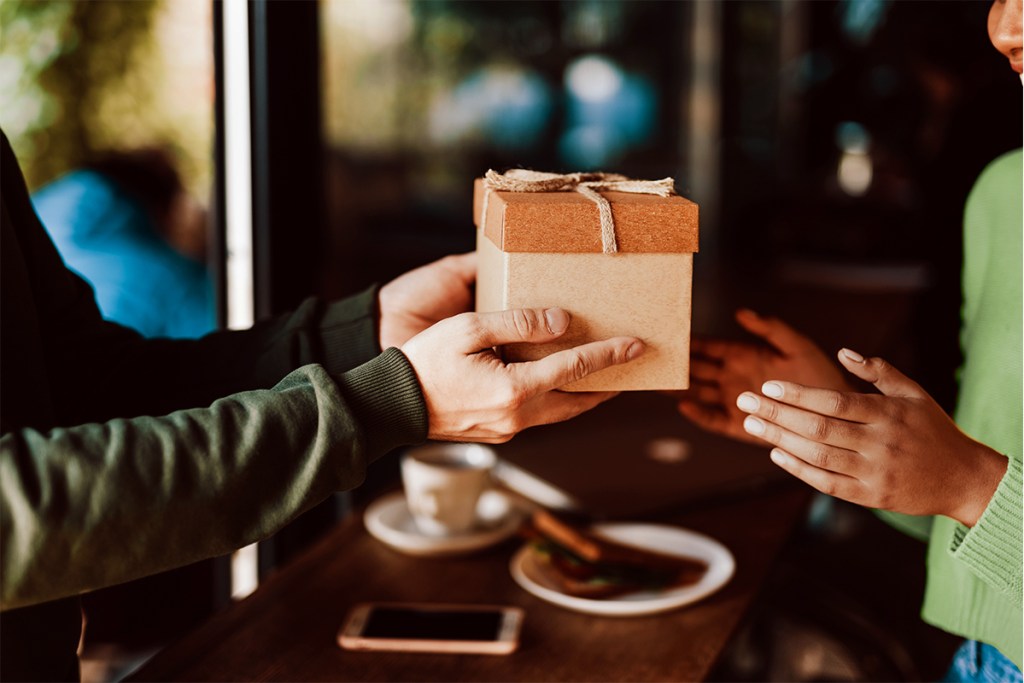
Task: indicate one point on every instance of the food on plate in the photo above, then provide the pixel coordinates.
(583, 564)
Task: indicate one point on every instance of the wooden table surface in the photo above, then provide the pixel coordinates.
(286, 631)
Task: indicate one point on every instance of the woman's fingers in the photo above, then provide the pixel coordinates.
(709, 348)
(777, 333)
(768, 418)
(846, 405)
(707, 417)
(822, 456)
(831, 483)
(708, 394)
(704, 370)
(718, 350)
(883, 375)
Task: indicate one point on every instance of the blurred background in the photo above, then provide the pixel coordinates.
(830, 144)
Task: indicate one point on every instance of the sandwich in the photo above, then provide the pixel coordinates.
(582, 564)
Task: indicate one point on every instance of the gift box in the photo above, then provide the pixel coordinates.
(616, 253)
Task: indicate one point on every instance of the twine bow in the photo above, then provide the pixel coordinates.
(587, 184)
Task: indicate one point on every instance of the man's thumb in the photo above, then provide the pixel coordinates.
(518, 325)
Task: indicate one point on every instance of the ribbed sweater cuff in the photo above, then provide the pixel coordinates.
(348, 332)
(992, 549)
(388, 402)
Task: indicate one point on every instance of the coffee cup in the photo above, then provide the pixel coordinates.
(443, 484)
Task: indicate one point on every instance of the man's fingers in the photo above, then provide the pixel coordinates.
(569, 365)
(486, 330)
(463, 265)
(777, 333)
(879, 372)
(556, 406)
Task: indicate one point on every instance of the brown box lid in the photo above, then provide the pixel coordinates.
(568, 222)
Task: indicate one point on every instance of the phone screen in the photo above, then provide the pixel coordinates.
(415, 624)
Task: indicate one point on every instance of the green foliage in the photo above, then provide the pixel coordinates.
(32, 36)
(78, 77)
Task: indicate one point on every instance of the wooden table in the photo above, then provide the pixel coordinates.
(286, 630)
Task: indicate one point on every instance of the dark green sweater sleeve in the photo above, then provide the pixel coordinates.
(125, 375)
(98, 504)
(122, 456)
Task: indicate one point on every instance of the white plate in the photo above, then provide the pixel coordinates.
(389, 520)
(665, 539)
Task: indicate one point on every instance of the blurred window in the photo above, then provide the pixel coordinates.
(422, 96)
(853, 129)
(78, 78)
(109, 108)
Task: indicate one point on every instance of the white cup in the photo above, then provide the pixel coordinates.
(443, 484)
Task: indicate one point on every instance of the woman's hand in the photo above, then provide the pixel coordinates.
(721, 370)
(414, 301)
(472, 395)
(896, 451)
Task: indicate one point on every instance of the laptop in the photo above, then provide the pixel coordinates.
(633, 456)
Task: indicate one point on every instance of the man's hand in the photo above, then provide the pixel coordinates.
(472, 395)
(721, 370)
(896, 451)
(416, 300)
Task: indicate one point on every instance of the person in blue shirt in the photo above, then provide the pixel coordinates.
(112, 221)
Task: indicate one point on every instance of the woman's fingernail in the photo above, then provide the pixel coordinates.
(557, 319)
(778, 457)
(753, 426)
(853, 355)
(772, 389)
(747, 402)
(635, 350)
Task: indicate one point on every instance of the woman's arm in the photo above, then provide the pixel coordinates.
(896, 451)
(721, 370)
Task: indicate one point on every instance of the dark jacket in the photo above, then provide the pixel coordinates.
(122, 456)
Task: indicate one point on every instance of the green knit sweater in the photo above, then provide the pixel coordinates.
(122, 456)
(974, 574)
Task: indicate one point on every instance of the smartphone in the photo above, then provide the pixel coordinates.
(416, 627)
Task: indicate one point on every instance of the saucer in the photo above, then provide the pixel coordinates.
(389, 521)
(666, 539)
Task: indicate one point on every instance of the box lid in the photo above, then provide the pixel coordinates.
(568, 222)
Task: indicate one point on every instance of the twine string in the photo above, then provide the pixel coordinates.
(590, 185)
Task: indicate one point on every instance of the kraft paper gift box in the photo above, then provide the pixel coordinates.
(626, 272)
